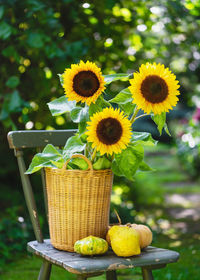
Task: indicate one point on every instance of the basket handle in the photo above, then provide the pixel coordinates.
(78, 156)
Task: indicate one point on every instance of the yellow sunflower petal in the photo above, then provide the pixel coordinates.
(109, 131)
(83, 82)
(154, 88)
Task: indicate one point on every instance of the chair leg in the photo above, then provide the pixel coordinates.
(45, 271)
(111, 275)
(147, 273)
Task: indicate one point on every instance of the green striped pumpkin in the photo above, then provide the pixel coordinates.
(91, 245)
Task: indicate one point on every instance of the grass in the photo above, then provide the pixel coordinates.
(151, 190)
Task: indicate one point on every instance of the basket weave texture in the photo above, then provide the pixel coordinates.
(78, 205)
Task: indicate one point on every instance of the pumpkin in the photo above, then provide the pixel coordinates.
(124, 241)
(91, 245)
(108, 233)
(145, 235)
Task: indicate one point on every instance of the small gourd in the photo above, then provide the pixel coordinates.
(145, 235)
(91, 245)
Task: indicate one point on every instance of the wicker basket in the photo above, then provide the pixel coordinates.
(78, 204)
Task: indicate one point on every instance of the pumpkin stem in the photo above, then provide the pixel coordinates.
(118, 217)
(128, 224)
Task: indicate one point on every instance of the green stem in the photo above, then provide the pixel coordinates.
(143, 115)
(134, 115)
(86, 150)
(94, 154)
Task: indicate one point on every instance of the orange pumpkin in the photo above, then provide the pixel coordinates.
(145, 235)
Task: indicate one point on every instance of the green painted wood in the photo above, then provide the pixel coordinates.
(44, 188)
(44, 192)
(38, 138)
(147, 274)
(111, 275)
(45, 271)
(75, 263)
(29, 197)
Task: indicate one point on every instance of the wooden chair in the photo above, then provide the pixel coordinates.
(84, 267)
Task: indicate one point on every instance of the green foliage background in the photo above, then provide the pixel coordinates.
(41, 38)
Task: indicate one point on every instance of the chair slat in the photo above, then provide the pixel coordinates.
(151, 257)
(29, 197)
(38, 138)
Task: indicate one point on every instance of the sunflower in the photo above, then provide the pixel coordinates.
(83, 82)
(109, 131)
(154, 88)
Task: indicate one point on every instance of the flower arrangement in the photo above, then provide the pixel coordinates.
(105, 126)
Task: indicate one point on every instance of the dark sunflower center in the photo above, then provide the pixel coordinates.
(109, 131)
(154, 89)
(85, 83)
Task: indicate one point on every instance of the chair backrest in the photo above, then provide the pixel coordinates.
(20, 140)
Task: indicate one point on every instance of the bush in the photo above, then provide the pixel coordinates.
(14, 234)
(187, 136)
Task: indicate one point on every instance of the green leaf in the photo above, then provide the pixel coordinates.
(4, 112)
(122, 97)
(10, 51)
(8, 123)
(83, 138)
(80, 163)
(39, 161)
(145, 167)
(114, 77)
(1, 11)
(50, 149)
(124, 100)
(5, 30)
(47, 158)
(82, 127)
(143, 138)
(127, 162)
(166, 129)
(160, 121)
(61, 105)
(61, 78)
(128, 108)
(115, 168)
(58, 164)
(98, 106)
(15, 102)
(13, 82)
(35, 40)
(80, 114)
(102, 163)
(73, 145)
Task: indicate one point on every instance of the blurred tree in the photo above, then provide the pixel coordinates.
(41, 38)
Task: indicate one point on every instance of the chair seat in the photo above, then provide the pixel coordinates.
(75, 263)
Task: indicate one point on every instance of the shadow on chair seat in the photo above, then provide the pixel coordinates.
(150, 257)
